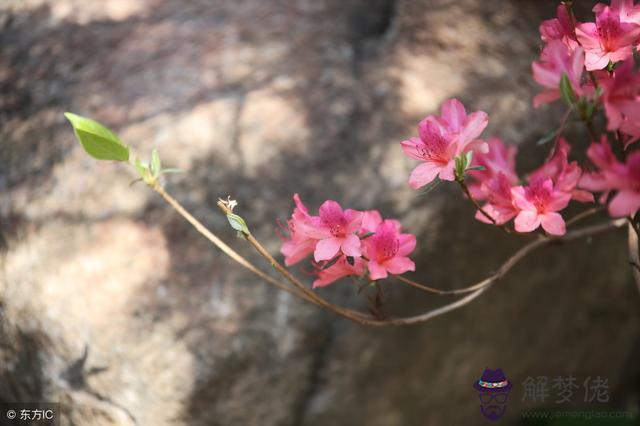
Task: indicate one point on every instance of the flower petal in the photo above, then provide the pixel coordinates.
(424, 174)
(351, 245)
(327, 249)
(476, 123)
(454, 113)
(553, 223)
(370, 220)
(624, 203)
(407, 244)
(412, 147)
(520, 199)
(376, 271)
(527, 221)
(399, 265)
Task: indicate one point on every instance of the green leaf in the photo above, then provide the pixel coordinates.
(566, 91)
(140, 167)
(469, 157)
(476, 168)
(330, 263)
(237, 223)
(98, 141)
(461, 166)
(367, 235)
(155, 163)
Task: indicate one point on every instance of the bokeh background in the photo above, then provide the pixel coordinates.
(114, 306)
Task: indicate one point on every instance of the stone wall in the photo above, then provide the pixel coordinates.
(114, 306)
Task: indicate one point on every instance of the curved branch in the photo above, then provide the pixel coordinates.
(474, 287)
(299, 289)
(303, 292)
(585, 214)
(221, 244)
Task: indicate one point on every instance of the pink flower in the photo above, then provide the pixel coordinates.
(300, 244)
(610, 38)
(560, 28)
(388, 249)
(338, 270)
(613, 175)
(500, 160)
(539, 203)
(556, 60)
(565, 175)
(335, 231)
(441, 139)
(499, 205)
(627, 11)
(621, 99)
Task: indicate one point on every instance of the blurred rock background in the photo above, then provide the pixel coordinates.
(114, 306)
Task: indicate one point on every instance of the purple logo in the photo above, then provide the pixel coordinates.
(493, 391)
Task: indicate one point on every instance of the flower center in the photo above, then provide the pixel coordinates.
(336, 229)
(539, 196)
(609, 31)
(388, 246)
(434, 148)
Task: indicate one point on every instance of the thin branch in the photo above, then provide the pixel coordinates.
(583, 215)
(465, 189)
(482, 286)
(221, 244)
(515, 258)
(348, 313)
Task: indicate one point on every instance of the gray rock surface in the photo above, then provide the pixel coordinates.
(114, 306)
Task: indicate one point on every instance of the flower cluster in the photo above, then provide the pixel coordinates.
(347, 243)
(548, 189)
(590, 66)
(597, 60)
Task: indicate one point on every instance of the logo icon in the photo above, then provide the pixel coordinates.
(493, 391)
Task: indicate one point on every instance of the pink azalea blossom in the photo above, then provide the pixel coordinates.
(441, 139)
(387, 250)
(539, 203)
(609, 39)
(300, 244)
(555, 60)
(340, 269)
(335, 231)
(560, 28)
(565, 175)
(621, 99)
(613, 175)
(499, 205)
(500, 160)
